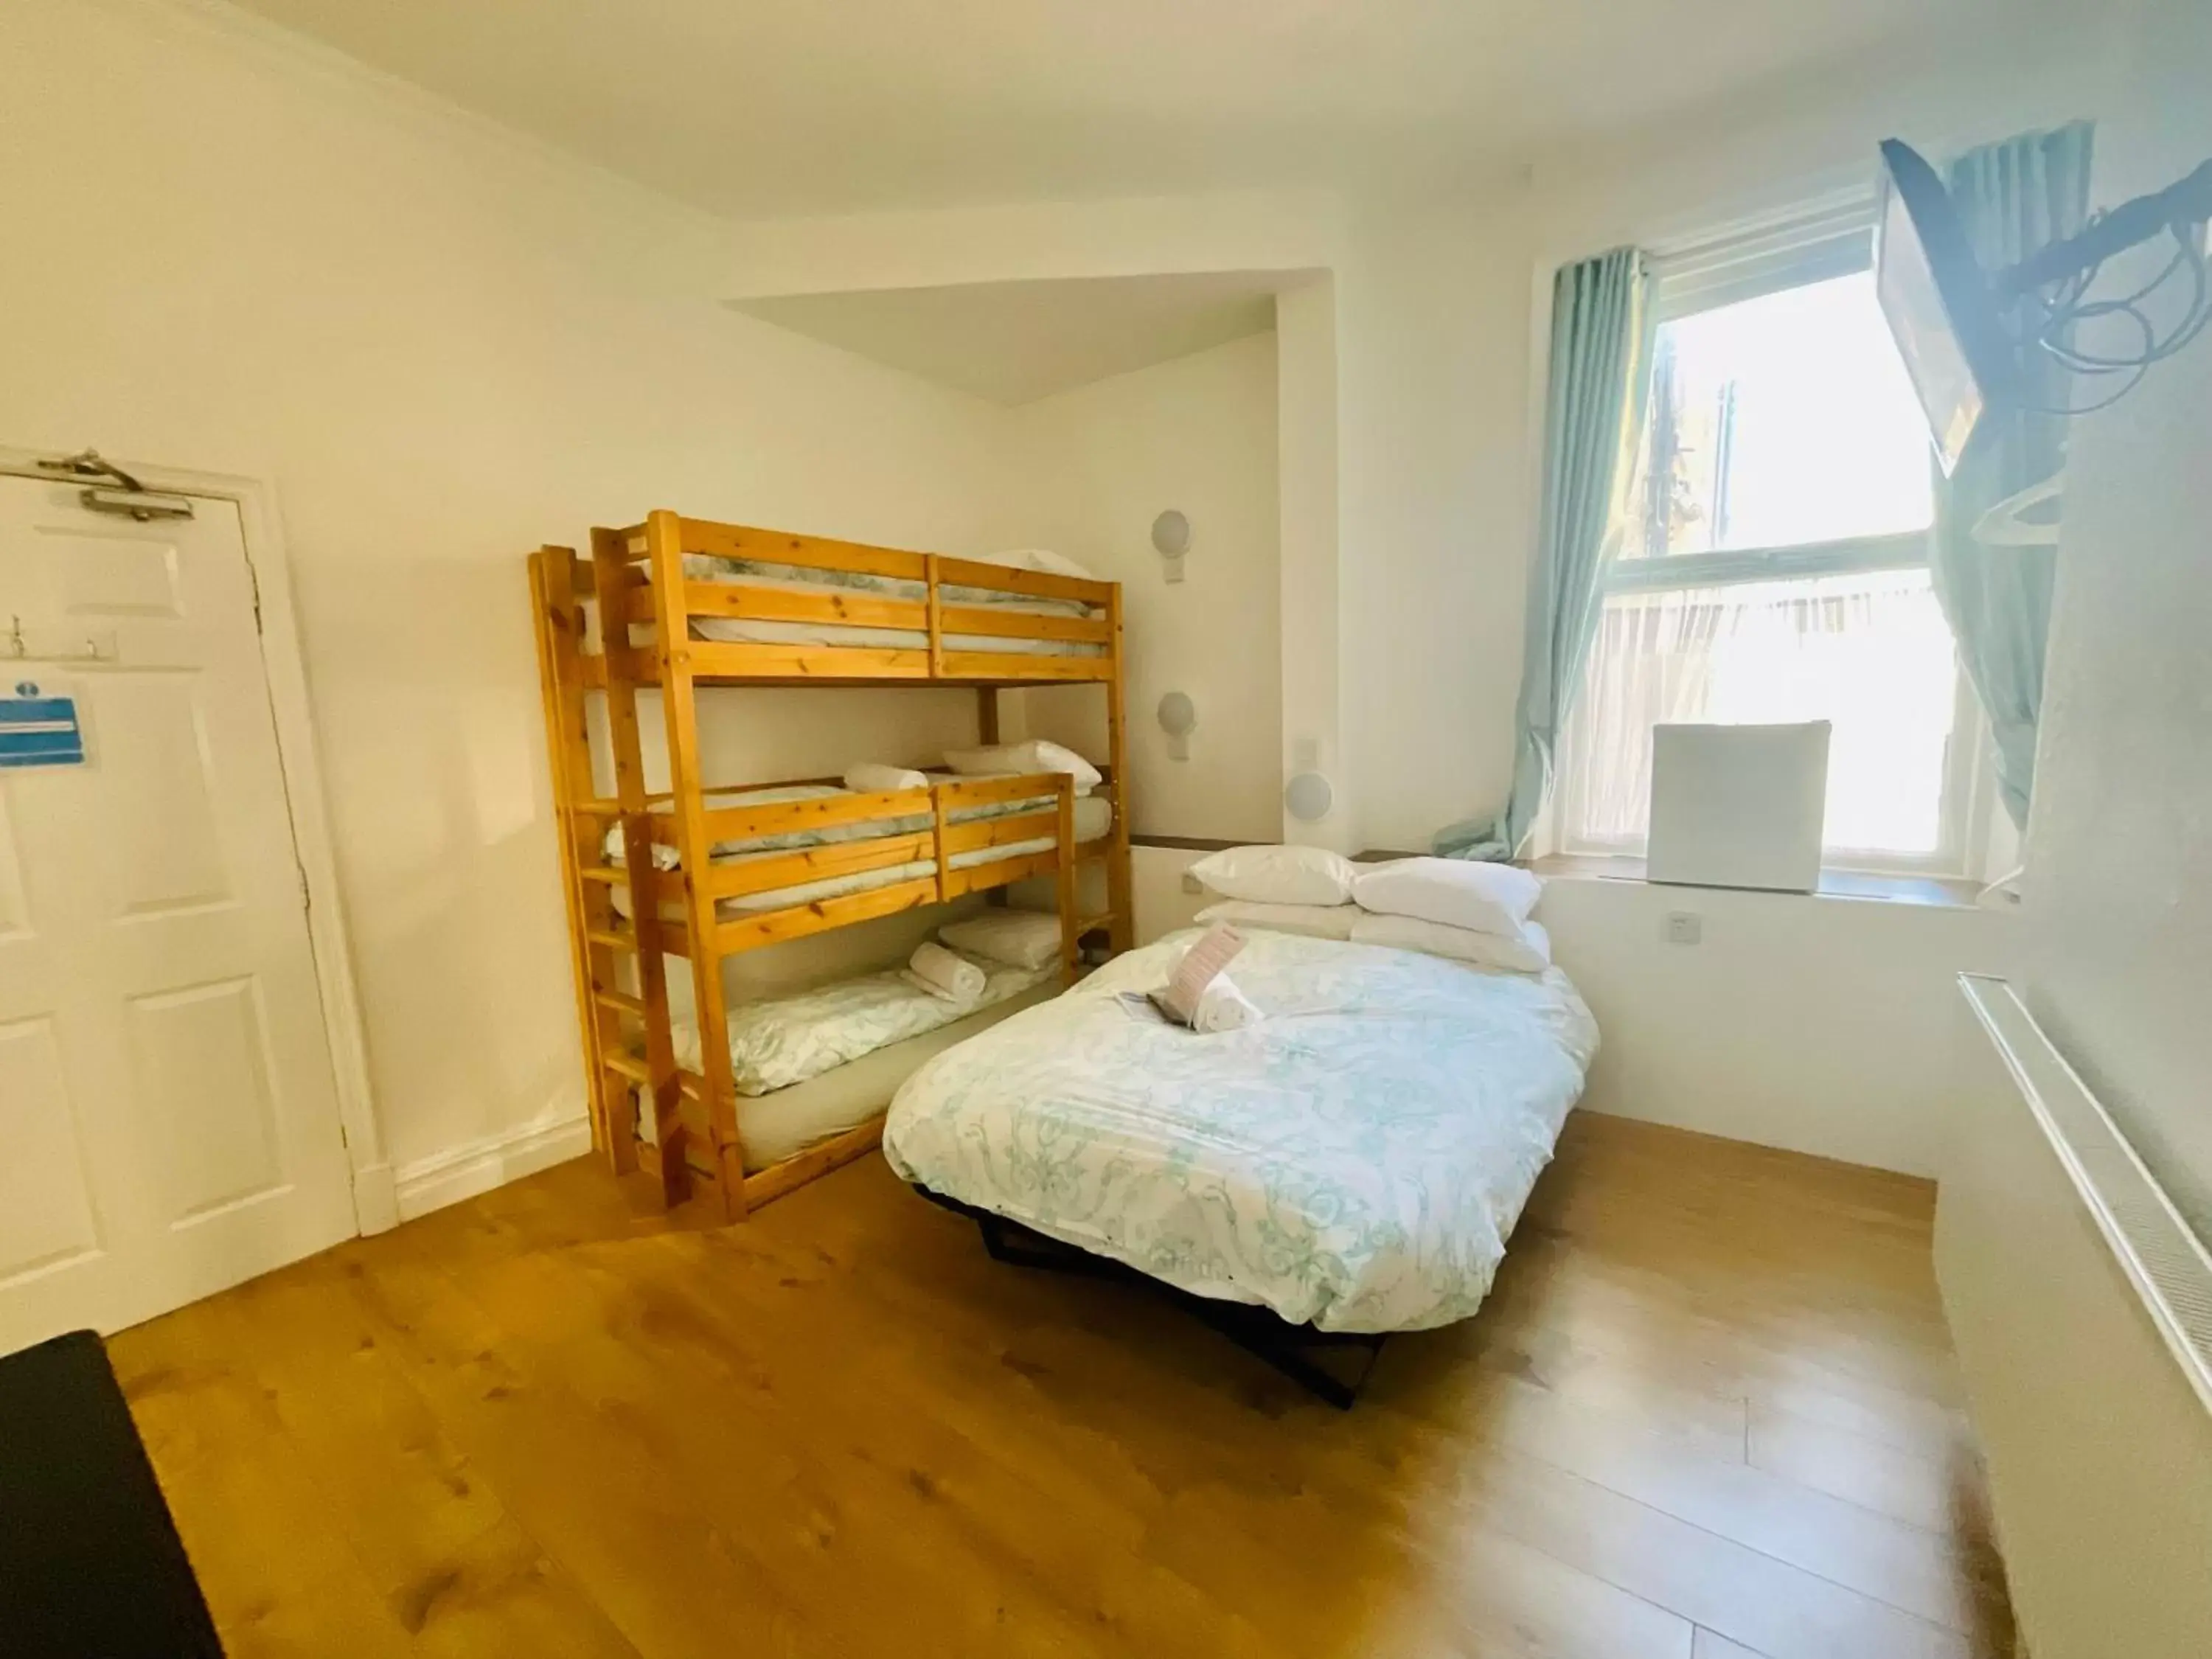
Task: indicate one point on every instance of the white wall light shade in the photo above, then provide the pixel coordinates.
(1178, 717)
(1171, 540)
(1308, 797)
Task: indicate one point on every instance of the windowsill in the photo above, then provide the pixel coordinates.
(1936, 892)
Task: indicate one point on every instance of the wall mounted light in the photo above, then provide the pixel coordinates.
(1178, 717)
(1308, 797)
(1171, 540)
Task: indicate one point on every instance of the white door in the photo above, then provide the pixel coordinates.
(168, 1120)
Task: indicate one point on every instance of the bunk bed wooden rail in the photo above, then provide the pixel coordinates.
(747, 590)
(640, 610)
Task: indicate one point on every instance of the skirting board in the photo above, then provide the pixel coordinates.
(477, 1166)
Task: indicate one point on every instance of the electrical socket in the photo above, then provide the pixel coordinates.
(1683, 927)
(1191, 883)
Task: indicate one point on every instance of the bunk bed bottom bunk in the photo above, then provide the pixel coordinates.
(786, 1121)
(819, 1063)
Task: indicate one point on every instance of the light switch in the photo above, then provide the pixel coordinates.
(1683, 927)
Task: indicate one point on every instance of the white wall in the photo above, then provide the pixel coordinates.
(444, 347)
(2119, 904)
(1097, 464)
(1823, 1025)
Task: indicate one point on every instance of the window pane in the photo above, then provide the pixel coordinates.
(1869, 652)
(1777, 422)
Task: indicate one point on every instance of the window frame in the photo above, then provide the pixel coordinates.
(1832, 240)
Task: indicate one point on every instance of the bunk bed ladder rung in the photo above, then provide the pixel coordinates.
(620, 1000)
(613, 941)
(626, 1066)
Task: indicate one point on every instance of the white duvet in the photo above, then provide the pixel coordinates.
(1357, 1159)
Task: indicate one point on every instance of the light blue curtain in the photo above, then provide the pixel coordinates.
(1600, 352)
(2015, 197)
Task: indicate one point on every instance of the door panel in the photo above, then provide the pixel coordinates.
(164, 1070)
(164, 849)
(46, 1202)
(207, 1040)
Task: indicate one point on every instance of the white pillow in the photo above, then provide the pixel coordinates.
(1043, 561)
(868, 778)
(1490, 898)
(1035, 756)
(1527, 950)
(1279, 875)
(1020, 939)
(1314, 920)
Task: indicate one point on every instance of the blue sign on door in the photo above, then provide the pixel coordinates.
(40, 730)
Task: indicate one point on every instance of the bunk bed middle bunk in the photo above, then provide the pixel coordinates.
(685, 605)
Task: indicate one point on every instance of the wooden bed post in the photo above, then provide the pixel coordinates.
(611, 575)
(1122, 929)
(987, 714)
(664, 544)
(592, 930)
(1071, 904)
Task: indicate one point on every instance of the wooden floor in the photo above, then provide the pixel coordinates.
(1709, 1412)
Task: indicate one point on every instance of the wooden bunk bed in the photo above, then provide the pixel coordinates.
(633, 615)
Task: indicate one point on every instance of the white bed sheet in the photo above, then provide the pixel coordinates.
(1357, 1158)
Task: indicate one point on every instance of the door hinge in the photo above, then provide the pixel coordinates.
(307, 893)
(253, 580)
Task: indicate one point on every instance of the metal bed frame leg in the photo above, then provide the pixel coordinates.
(1287, 1347)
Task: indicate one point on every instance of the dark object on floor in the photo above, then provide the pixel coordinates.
(90, 1562)
(1265, 1335)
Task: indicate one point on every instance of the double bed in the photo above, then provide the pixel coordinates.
(1353, 1162)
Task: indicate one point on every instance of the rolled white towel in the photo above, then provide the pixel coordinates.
(867, 778)
(1222, 1007)
(948, 977)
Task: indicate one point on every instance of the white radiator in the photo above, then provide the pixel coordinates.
(2082, 1308)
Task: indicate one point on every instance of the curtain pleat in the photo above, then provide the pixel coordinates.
(1601, 325)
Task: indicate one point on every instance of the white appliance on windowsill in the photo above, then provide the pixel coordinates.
(1739, 805)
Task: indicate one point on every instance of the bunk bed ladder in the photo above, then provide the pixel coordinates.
(611, 581)
(664, 543)
(594, 936)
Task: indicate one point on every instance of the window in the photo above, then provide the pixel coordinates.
(1773, 564)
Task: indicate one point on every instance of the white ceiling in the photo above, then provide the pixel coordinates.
(1015, 341)
(778, 107)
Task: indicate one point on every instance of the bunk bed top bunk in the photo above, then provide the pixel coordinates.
(767, 607)
(703, 871)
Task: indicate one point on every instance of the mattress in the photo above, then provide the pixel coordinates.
(1094, 816)
(795, 578)
(1357, 1158)
(779, 1040)
(784, 1122)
